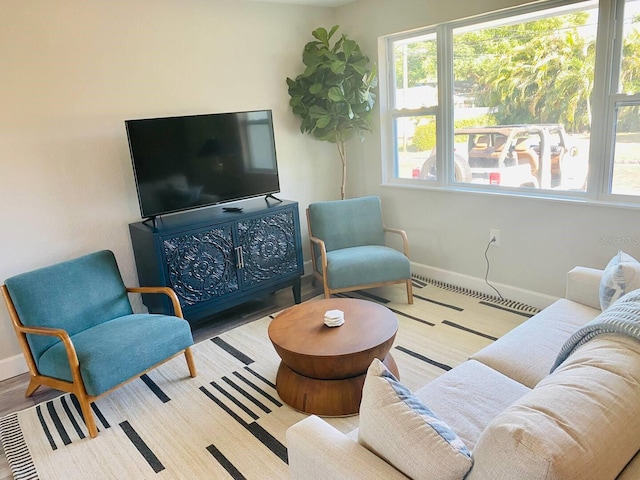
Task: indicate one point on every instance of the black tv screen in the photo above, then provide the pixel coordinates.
(194, 161)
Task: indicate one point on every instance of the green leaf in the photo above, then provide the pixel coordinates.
(359, 68)
(295, 101)
(315, 88)
(309, 71)
(335, 94)
(331, 56)
(316, 111)
(321, 34)
(311, 58)
(333, 30)
(322, 122)
(337, 66)
(348, 46)
(338, 44)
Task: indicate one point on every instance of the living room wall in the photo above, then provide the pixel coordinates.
(448, 231)
(73, 71)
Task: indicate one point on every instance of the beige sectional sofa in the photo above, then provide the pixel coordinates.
(517, 420)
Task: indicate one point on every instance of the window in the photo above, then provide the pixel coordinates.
(528, 101)
(625, 175)
(415, 100)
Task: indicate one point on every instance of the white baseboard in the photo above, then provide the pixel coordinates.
(12, 366)
(528, 297)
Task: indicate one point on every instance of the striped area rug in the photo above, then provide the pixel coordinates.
(228, 422)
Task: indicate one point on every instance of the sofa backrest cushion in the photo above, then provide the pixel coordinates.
(399, 428)
(579, 423)
(543, 335)
(73, 295)
(354, 222)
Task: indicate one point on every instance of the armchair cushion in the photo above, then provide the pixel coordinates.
(73, 295)
(365, 264)
(348, 223)
(112, 352)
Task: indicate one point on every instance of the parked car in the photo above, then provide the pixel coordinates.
(511, 155)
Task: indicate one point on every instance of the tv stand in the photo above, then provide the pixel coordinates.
(214, 261)
(269, 195)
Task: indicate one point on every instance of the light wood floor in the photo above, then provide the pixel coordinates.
(12, 390)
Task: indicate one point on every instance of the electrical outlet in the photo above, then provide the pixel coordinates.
(494, 233)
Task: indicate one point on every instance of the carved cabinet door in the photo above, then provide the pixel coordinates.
(267, 247)
(202, 265)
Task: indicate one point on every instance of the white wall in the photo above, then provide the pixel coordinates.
(540, 240)
(73, 71)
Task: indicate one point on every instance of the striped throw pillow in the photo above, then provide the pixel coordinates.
(399, 428)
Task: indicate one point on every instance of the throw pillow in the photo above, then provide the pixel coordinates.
(621, 275)
(399, 428)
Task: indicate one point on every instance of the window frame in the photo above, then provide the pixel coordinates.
(605, 100)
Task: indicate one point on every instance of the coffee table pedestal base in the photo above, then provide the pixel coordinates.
(328, 398)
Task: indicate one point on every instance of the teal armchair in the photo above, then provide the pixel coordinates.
(78, 332)
(348, 250)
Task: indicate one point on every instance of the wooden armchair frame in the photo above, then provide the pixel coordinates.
(320, 271)
(77, 386)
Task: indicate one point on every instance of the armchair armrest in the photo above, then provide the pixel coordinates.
(72, 356)
(319, 451)
(177, 309)
(583, 286)
(22, 331)
(323, 255)
(403, 234)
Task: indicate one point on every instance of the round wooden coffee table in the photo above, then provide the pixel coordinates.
(323, 368)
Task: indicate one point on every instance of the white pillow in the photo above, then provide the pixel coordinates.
(621, 275)
(399, 428)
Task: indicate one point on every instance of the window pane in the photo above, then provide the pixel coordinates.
(626, 160)
(415, 147)
(523, 84)
(416, 70)
(630, 67)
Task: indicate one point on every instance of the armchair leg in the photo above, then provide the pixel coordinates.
(89, 420)
(32, 387)
(190, 363)
(409, 292)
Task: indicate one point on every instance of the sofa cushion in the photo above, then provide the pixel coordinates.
(620, 276)
(579, 423)
(459, 397)
(544, 335)
(396, 426)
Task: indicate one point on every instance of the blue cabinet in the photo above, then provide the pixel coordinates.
(215, 259)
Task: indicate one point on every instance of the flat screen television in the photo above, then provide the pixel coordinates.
(187, 162)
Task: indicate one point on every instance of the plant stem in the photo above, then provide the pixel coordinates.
(342, 150)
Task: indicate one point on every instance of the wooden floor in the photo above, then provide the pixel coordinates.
(12, 390)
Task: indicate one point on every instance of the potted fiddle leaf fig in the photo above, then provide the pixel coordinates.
(334, 95)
